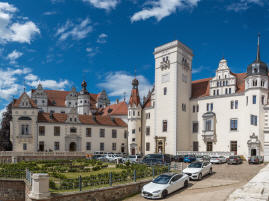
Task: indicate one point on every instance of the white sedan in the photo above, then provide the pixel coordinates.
(218, 159)
(164, 184)
(196, 170)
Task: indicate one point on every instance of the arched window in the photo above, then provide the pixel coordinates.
(262, 83)
(254, 83)
(24, 118)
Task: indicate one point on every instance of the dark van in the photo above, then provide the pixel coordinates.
(161, 158)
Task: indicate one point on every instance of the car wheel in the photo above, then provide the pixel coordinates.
(186, 184)
(210, 171)
(164, 194)
(200, 177)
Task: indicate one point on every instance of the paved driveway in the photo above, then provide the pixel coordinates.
(216, 187)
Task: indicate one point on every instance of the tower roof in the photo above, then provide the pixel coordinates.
(134, 98)
(257, 67)
(84, 88)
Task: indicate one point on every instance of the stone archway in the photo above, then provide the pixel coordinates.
(73, 146)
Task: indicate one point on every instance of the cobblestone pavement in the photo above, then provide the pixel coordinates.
(216, 187)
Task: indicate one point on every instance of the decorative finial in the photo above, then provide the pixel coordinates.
(135, 72)
(258, 48)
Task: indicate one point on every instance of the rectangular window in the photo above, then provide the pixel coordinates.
(73, 130)
(254, 99)
(41, 130)
(88, 132)
(236, 104)
(209, 146)
(133, 131)
(211, 106)
(114, 133)
(233, 124)
(263, 100)
(133, 113)
(195, 127)
(217, 92)
(148, 115)
(147, 146)
(207, 107)
(193, 108)
(25, 129)
(230, 90)
(247, 100)
(226, 91)
(133, 139)
(197, 108)
(214, 92)
(195, 146)
(147, 130)
(184, 107)
(56, 130)
(208, 125)
(114, 146)
(56, 146)
(125, 134)
(24, 146)
(164, 91)
(253, 120)
(102, 146)
(232, 104)
(102, 132)
(88, 146)
(164, 125)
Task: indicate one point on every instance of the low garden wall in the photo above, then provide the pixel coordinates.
(104, 194)
(12, 190)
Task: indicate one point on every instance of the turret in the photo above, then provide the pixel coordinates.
(134, 120)
(84, 100)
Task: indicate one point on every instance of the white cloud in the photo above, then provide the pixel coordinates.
(244, 5)
(1, 114)
(89, 49)
(50, 13)
(51, 84)
(102, 38)
(162, 8)
(9, 82)
(11, 31)
(103, 4)
(13, 56)
(118, 83)
(31, 77)
(76, 31)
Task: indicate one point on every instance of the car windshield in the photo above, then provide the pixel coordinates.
(154, 156)
(214, 157)
(195, 165)
(162, 179)
(131, 156)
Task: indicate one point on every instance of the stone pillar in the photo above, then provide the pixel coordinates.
(40, 186)
(14, 159)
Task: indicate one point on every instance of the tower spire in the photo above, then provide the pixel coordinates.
(258, 48)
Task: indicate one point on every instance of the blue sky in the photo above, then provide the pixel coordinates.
(61, 42)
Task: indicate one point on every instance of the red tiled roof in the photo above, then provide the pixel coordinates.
(200, 88)
(18, 101)
(134, 98)
(84, 119)
(58, 97)
(120, 108)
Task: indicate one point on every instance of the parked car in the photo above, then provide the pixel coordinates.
(112, 157)
(189, 158)
(152, 161)
(255, 160)
(164, 158)
(196, 170)
(202, 158)
(178, 158)
(234, 160)
(217, 159)
(164, 184)
(133, 159)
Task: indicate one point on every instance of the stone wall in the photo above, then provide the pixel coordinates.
(104, 194)
(12, 190)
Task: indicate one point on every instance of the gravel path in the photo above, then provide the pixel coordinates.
(216, 187)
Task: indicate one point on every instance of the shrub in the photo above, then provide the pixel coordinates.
(52, 184)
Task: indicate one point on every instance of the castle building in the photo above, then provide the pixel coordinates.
(226, 113)
(52, 120)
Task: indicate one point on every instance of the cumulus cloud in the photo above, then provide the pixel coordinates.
(50, 13)
(13, 56)
(102, 38)
(119, 83)
(244, 5)
(51, 84)
(162, 8)
(31, 77)
(12, 31)
(75, 31)
(103, 4)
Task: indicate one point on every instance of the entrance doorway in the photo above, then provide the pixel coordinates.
(133, 151)
(122, 149)
(209, 146)
(253, 152)
(234, 147)
(41, 146)
(72, 146)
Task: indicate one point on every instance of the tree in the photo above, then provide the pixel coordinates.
(5, 144)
